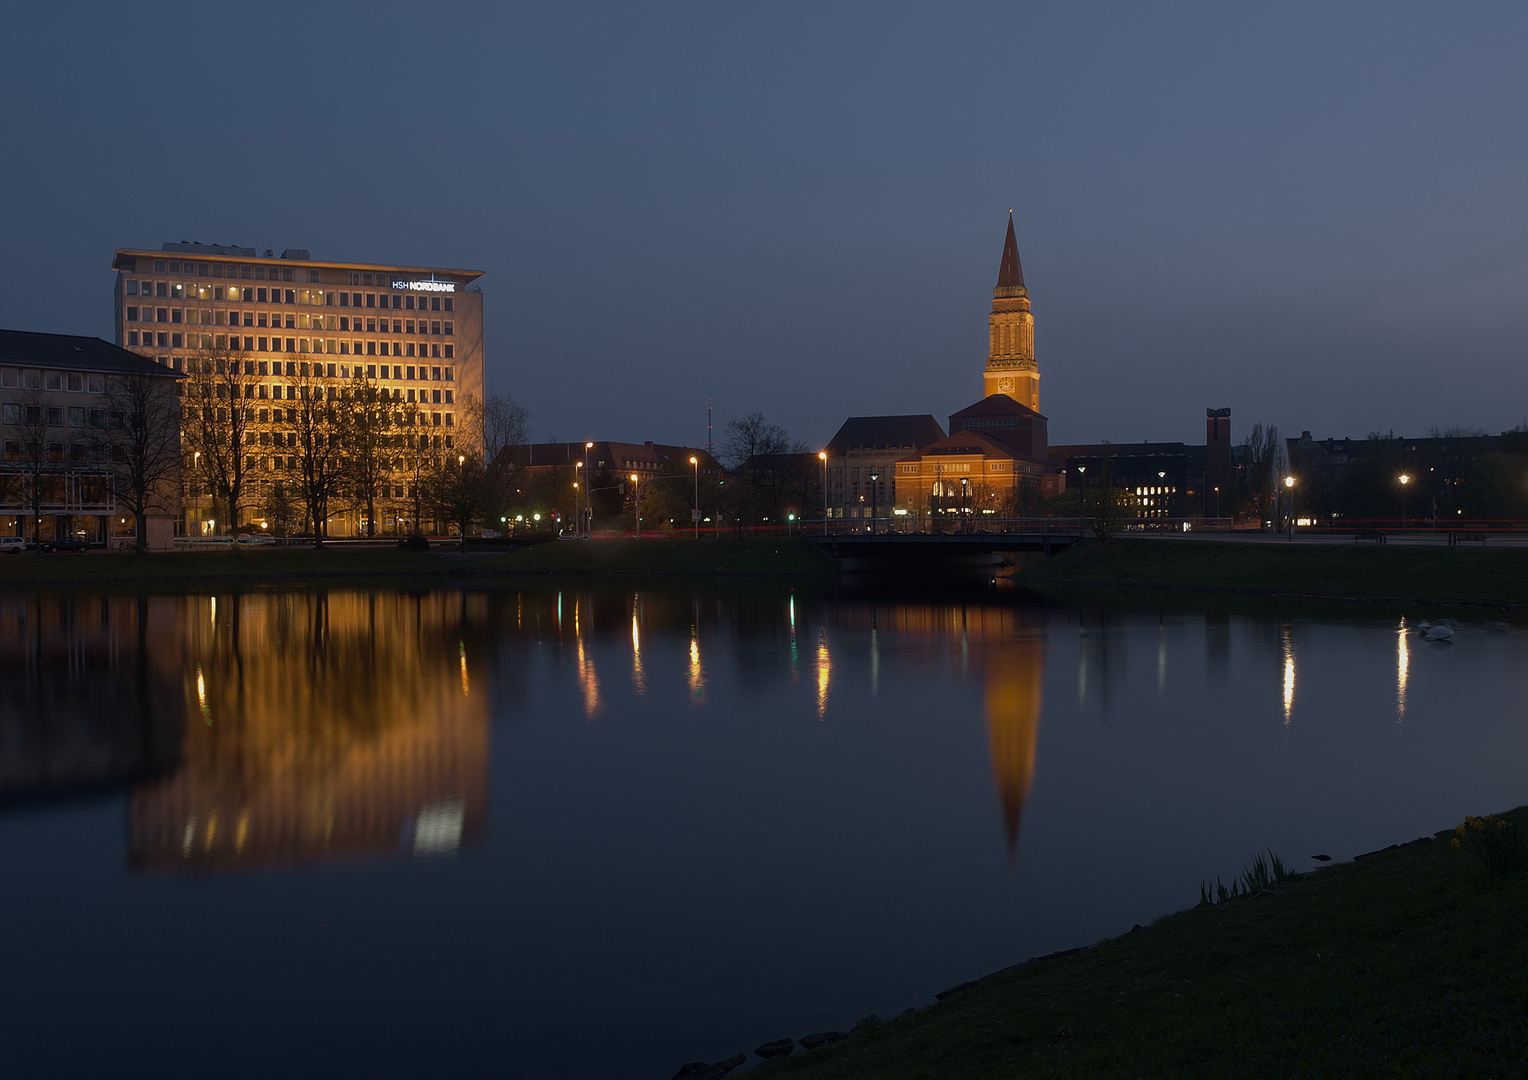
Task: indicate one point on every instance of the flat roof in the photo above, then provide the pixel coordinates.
(209, 256)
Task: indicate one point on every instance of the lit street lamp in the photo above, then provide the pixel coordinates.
(1404, 481)
(875, 484)
(823, 455)
(1289, 505)
(695, 513)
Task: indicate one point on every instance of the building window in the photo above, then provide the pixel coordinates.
(450, 352)
(132, 337)
(449, 305)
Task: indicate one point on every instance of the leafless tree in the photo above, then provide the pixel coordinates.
(373, 432)
(316, 425)
(36, 422)
(1264, 456)
(140, 434)
(218, 423)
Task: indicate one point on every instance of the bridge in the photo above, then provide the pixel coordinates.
(944, 552)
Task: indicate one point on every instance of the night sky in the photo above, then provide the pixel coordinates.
(1313, 213)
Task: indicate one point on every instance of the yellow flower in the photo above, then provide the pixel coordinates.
(1453, 843)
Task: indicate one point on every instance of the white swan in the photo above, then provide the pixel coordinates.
(1438, 632)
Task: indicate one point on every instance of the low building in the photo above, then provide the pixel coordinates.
(859, 463)
(61, 473)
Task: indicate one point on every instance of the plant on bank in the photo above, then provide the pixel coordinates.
(1500, 845)
(1262, 874)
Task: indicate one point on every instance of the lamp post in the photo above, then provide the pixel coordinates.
(1082, 497)
(1289, 503)
(578, 496)
(1217, 506)
(1404, 481)
(695, 514)
(588, 521)
(636, 503)
(823, 457)
(1161, 483)
(875, 483)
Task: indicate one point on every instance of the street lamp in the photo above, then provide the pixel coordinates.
(588, 508)
(578, 499)
(823, 456)
(875, 484)
(1289, 504)
(695, 461)
(1217, 506)
(636, 503)
(1082, 495)
(1161, 483)
(1404, 481)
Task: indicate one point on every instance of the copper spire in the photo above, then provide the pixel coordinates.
(1010, 272)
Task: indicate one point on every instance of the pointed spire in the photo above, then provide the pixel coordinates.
(1010, 272)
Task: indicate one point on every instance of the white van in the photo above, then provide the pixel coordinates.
(12, 545)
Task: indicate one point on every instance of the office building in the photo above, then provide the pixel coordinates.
(414, 331)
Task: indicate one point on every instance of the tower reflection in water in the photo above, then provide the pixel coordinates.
(1003, 646)
(330, 725)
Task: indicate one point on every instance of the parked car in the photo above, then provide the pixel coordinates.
(65, 543)
(12, 545)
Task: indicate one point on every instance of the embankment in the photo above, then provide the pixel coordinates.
(1484, 576)
(1406, 962)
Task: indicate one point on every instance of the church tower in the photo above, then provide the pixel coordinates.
(1011, 366)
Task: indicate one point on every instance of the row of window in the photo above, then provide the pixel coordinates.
(344, 371)
(180, 290)
(420, 396)
(52, 415)
(233, 270)
(76, 452)
(220, 317)
(289, 416)
(74, 381)
(330, 346)
(281, 462)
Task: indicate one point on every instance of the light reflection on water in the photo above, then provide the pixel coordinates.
(711, 853)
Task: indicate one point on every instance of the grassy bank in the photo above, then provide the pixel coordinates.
(1439, 575)
(786, 557)
(1408, 962)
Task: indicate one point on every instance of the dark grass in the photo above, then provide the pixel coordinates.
(1496, 577)
(775, 556)
(1409, 962)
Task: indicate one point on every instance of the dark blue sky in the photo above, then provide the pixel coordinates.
(1315, 214)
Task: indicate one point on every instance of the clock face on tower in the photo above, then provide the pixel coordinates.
(1005, 385)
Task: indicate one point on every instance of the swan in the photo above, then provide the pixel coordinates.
(1438, 632)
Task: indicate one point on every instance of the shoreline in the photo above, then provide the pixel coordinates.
(1403, 959)
(1495, 578)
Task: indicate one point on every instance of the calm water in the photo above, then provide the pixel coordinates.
(598, 833)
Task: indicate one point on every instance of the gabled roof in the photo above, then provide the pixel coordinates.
(994, 405)
(878, 432)
(1009, 272)
(72, 353)
(966, 442)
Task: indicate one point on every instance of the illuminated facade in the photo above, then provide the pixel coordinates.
(994, 460)
(1011, 367)
(416, 332)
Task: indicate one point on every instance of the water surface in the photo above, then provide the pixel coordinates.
(598, 832)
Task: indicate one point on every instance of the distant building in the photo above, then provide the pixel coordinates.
(1161, 479)
(601, 469)
(56, 439)
(416, 331)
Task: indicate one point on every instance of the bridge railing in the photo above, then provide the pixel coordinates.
(955, 525)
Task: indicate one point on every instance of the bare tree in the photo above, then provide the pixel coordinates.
(492, 427)
(767, 466)
(36, 421)
(372, 433)
(316, 428)
(142, 442)
(459, 490)
(1264, 457)
(218, 425)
